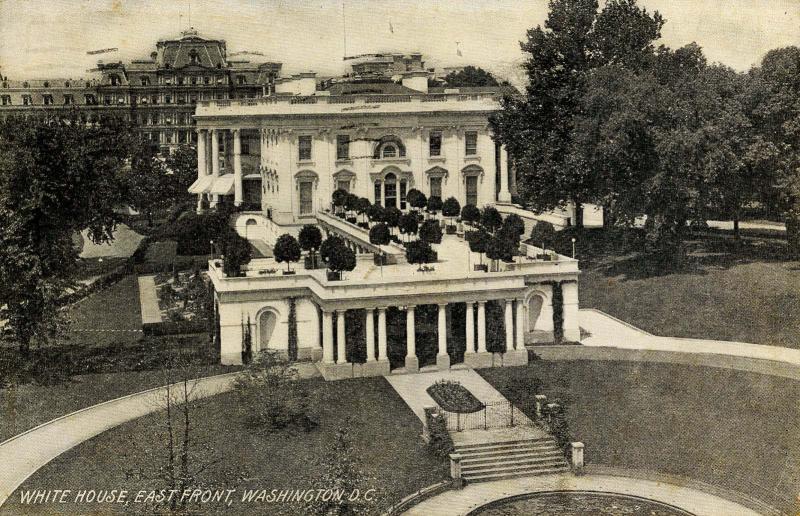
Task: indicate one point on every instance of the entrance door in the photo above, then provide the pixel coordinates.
(266, 325)
(390, 191)
(472, 190)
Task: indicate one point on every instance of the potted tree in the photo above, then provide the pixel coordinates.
(451, 208)
(470, 214)
(499, 247)
(236, 253)
(310, 239)
(417, 200)
(430, 232)
(379, 235)
(375, 213)
(362, 206)
(350, 206)
(491, 220)
(408, 224)
(287, 249)
(337, 256)
(391, 216)
(543, 232)
(434, 205)
(337, 199)
(477, 244)
(420, 252)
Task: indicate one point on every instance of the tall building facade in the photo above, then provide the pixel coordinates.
(159, 93)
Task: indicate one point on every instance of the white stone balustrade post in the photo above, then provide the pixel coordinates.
(541, 401)
(577, 456)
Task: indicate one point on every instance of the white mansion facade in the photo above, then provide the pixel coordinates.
(280, 158)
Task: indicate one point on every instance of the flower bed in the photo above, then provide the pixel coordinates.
(454, 397)
(182, 296)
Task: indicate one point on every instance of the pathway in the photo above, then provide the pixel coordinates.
(123, 245)
(607, 331)
(25, 453)
(148, 299)
(461, 502)
(413, 389)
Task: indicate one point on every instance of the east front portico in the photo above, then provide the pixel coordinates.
(401, 304)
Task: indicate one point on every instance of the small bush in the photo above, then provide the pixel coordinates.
(440, 443)
(543, 233)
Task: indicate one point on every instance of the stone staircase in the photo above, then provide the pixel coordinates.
(508, 459)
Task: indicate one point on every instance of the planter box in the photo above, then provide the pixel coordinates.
(289, 273)
(451, 230)
(379, 259)
(545, 257)
(481, 267)
(395, 239)
(311, 263)
(334, 276)
(351, 220)
(364, 225)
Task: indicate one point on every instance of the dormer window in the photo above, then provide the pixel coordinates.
(193, 56)
(145, 81)
(180, 81)
(240, 79)
(27, 100)
(114, 80)
(5, 85)
(46, 84)
(25, 84)
(67, 84)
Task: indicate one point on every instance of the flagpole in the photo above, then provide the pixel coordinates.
(344, 30)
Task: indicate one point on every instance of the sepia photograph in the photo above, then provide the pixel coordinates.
(400, 257)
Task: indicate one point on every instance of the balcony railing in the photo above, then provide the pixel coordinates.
(352, 99)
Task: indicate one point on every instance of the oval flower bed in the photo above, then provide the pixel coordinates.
(454, 397)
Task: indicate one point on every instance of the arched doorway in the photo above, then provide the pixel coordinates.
(534, 311)
(266, 326)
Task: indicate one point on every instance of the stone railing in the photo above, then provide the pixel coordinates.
(351, 99)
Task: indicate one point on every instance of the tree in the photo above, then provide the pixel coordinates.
(181, 171)
(513, 225)
(470, 214)
(491, 219)
(310, 238)
(434, 205)
(391, 216)
(420, 252)
(478, 241)
(375, 213)
(379, 234)
(147, 182)
(338, 198)
(416, 199)
(362, 206)
(470, 76)
(408, 224)
(430, 231)
(350, 203)
(537, 128)
(543, 232)
(499, 247)
(236, 252)
(58, 176)
(337, 256)
(286, 249)
(451, 208)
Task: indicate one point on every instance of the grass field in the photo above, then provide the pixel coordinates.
(386, 446)
(727, 428)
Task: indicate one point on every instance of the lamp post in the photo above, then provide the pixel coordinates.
(573, 248)
(212, 248)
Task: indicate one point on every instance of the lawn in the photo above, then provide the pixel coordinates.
(728, 428)
(385, 435)
(25, 406)
(746, 292)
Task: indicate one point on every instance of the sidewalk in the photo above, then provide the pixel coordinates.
(148, 299)
(25, 453)
(607, 331)
(461, 502)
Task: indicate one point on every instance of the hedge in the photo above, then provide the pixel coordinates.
(174, 328)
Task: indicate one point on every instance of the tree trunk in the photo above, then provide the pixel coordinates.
(736, 225)
(608, 217)
(578, 214)
(793, 236)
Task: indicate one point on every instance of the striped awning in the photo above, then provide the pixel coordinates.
(201, 185)
(223, 185)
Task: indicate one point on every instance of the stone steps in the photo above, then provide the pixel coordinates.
(482, 462)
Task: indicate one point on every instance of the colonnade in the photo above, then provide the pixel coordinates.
(334, 349)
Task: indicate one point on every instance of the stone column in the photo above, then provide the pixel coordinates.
(443, 359)
(470, 328)
(214, 162)
(201, 163)
(504, 195)
(370, 316)
(520, 329)
(382, 347)
(412, 362)
(569, 291)
(237, 167)
(481, 326)
(341, 357)
(509, 324)
(327, 337)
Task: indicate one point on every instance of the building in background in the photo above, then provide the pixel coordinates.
(159, 94)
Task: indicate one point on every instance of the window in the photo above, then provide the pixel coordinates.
(240, 79)
(167, 99)
(472, 190)
(46, 84)
(69, 100)
(180, 81)
(168, 137)
(304, 148)
(378, 193)
(67, 84)
(182, 137)
(436, 187)
(206, 80)
(245, 148)
(6, 100)
(194, 80)
(343, 184)
(471, 143)
(403, 195)
(389, 151)
(181, 99)
(154, 99)
(145, 81)
(107, 100)
(113, 80)
(27, 100)
(91, 100)
(435, 143)
(390, 191)
(306, 200)
(134, 99)
(342, 146)
(193, 57)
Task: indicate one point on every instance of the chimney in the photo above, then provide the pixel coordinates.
(416, 80)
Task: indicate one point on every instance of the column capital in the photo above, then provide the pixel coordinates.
(442, 305)
(481, 303)
(382, 308)
(236, 131)
(411, 307)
